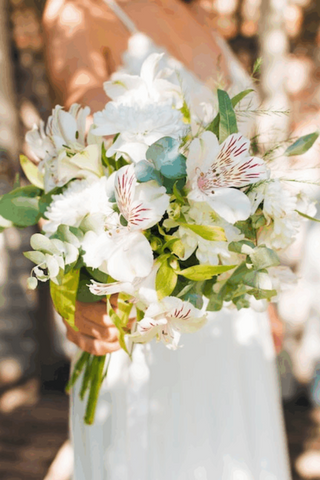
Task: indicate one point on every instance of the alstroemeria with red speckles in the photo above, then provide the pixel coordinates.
(167, 319)
(216, 172)
(123, 251)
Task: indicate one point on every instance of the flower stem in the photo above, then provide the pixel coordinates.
(77, 370)
(86, 379)
(96, 374)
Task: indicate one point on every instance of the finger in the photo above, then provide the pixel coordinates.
(95, 330)
(89, 344)
(94, 312)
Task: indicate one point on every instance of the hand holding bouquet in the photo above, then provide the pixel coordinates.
(177, 214)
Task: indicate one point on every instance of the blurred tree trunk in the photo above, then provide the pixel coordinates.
(274, 47)
(9, 137)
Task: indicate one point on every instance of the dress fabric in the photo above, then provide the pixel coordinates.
(208, 411)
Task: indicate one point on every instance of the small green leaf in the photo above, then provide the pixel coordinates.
(35, 257)
(204, 272)
(44, 244)
(215, 303)
(208, 232)
(304, 215)
(260, 294)
(31, 171)
(166, 280)
(116, 320)
(240, 96)
(263, 257)
(64, 296)
(179, 197)
(228, 121)
(302, 145)
(242, 246)
(165, 156)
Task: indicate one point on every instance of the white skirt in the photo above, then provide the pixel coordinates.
(209, 411)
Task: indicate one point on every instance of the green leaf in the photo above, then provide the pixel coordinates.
(304, 215)
(166, 280)
(228, 121)
(204, 272)
(21, 206)
(98, 276)
(31, 171)
(46, 199)
(214, 125)
(179, 197)
(242, 246)
(83, 293)
(240, 96)
(64, 296)
(260, 294)
(215, 303)
(302, 145)
(263, 257)
(208, 232)
(116, 320)
(145, 172)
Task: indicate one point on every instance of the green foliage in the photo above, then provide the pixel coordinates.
(263, 257)
(145, 172)
(302, 145)
(165, 158)
(304, 215)
(64, 296)
(120, 321)
(199, 273)
(228, 121)
(208, 232)
(21, 206)
(83, 294)
(166, 278)
(31, 171)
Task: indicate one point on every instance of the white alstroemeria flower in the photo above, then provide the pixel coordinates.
(167, 319)
(62, 148)
(80, 200)
(149, 86)
(139, 126)
(216, 171)
(123, 251)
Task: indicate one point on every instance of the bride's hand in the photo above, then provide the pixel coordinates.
(97, 334)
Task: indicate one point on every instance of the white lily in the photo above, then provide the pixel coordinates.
(167, 319)
(149, 86)
(216, 171)
(123, 251)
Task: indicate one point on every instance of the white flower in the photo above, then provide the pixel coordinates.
(79, 200)
(62, 149)
(213, 170)
(123, 251)
(278, 202)
(166, 320)
(208, 252)
(151, 85)
(280, 233)
(139, 126)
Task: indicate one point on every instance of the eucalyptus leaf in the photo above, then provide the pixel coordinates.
(302, 145)
(64, 296)
(31, 171)
(21, 206)
(165, 156)
(228, 121)
(35, 257)
(44, 244)
(145, 172)
(204, 272)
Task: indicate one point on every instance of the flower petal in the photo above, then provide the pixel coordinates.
(231, 204)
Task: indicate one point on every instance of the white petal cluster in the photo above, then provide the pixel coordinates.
(62, 147)
(79, 200)
(143, 109)
(167, 319)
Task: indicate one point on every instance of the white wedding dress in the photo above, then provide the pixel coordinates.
(208, 411)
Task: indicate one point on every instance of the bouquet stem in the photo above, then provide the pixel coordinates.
(96, 375)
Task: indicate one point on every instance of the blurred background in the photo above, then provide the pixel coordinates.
(34, 365)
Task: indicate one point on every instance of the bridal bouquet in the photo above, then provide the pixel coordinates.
(175, 211)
